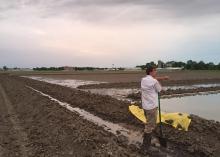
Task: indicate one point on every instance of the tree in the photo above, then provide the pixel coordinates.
(211, 66)
(150, 64)
(178, 64)
(218, 66)
(141, 66)
(5, 68)
(202, 65)
(191, 65)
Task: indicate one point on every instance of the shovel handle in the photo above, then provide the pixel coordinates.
(161, 133)
(162, 140)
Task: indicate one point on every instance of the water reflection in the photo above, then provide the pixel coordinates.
(206, 106)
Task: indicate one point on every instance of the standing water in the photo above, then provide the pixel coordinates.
(206, 106)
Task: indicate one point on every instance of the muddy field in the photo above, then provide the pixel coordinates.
(164, 83)
(128, 80)
(206, 76)
(177, 78)
(33, 125)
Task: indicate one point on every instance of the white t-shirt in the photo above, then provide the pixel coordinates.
(149, 92)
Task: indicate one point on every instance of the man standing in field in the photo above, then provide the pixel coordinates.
(149, 96)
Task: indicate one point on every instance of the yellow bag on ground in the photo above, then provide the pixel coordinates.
(178, 120)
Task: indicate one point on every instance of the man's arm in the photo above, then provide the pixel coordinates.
(160, 78)
(158, 86)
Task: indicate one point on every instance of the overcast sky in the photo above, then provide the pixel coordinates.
(104, 32)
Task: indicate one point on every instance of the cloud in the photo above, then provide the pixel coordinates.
(89, 31)
(127, 10)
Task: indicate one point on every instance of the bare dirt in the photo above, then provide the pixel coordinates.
(52, 131)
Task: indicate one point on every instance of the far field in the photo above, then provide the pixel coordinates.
(125, 76)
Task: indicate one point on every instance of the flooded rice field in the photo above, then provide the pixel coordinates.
(204, 104)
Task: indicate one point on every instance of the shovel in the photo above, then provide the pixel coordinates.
(162, 140)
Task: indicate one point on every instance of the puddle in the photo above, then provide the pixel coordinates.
(67, 82)
(133, 137)
(206, 106)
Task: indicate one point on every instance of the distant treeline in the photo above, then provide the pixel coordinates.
(48, 69)
(189, 65)
(95, 68)
(71, 68)
(192, 65)
(87, 68)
